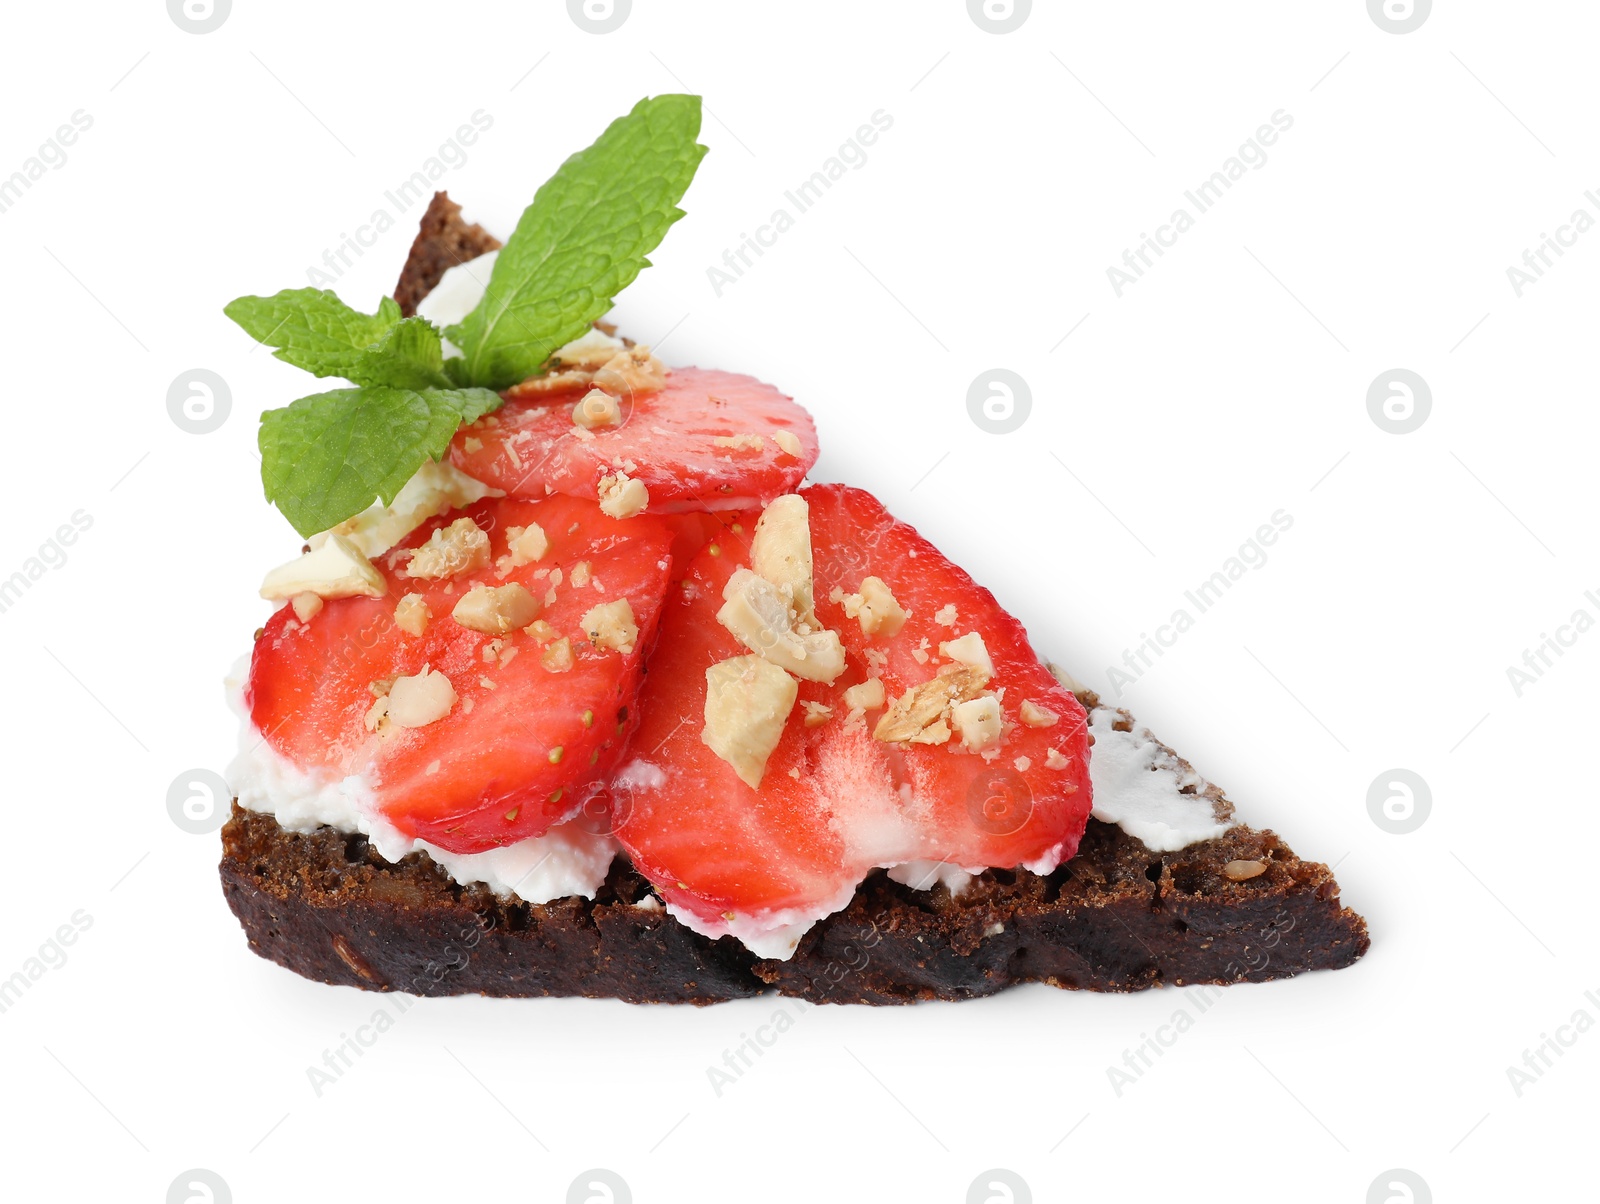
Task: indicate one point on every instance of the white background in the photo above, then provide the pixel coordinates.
(1228, 383)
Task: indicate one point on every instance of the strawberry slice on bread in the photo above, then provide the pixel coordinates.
(482, 685)
(831, 695)
(686, 439)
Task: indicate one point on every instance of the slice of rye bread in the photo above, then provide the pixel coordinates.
(1116, 917)
(443, 242)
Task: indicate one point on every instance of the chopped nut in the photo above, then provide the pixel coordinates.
(937, 732)
(875, 608)
(780, 551)
(621, 496)
(817, 713)
(611, 625)
(945, 616)
(761, 615)
(459, 548)
(969, 650)
(1023, 764)
(541, 631)
(524, 545)
(978, 721)
(597, 409)
(740, 442)
(557, 658)
(748, 701)
(336, 569)
(920, 652)
(1243, 871)
(411, 614)
(580, 574)
(924, 705)
(377, 712)
(496, 610)
(472, 443)
(421, 699)
(868, 696)
(306, 606)
(1054, 760)
(1035, 715)
(788, 443)
(632, 370)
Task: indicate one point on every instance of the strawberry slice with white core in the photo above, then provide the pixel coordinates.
(484, 699)
(842, 791)
(706, 440)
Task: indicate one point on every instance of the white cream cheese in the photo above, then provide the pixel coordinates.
(925, 875)
(1139, 786)
(565, 861)
(770, 934)
(457, 294)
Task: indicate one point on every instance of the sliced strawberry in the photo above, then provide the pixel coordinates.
(835, 801)
(525, 742)
(667, 440)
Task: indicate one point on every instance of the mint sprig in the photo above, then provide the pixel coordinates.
(582, 241)
(331, 453)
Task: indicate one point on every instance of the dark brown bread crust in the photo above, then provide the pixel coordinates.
(1117, 917)
(443, 242)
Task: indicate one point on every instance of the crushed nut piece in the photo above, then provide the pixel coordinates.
(868, 696)
(306, 606)
(763, 617)
(945, 616)
(788, 442)
(968, 650)
(597, 409)
(1035, 715)
(748, 701)
(621, 496)
(740, 442)
(459, 548)
(421, 699)
(611, 625)
(1054, 760)
(557, 658)
(580, 574)
(978, 721)
(496, 610)
(875, 608)
(922, 706)
(1023, 764)
(411, 614)
(817, 713)
(524, 545)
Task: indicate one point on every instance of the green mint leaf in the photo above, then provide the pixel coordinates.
(312, 329)
(582, 241)
(327, 456)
